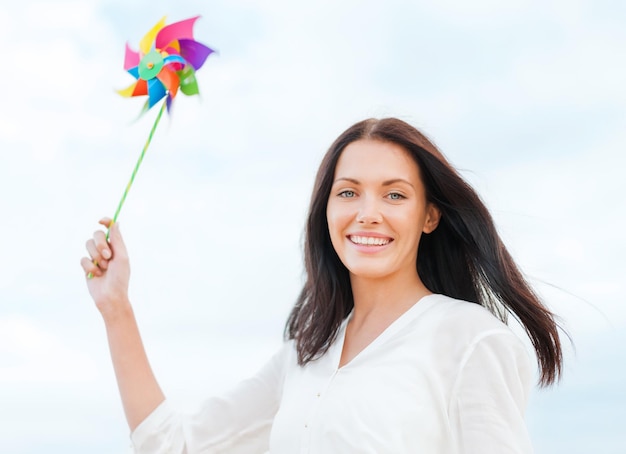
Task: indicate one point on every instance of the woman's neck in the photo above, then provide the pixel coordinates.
(387, 297)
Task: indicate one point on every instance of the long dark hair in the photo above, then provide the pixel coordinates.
(463, 257)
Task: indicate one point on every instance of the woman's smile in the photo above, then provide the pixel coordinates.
(367, 240)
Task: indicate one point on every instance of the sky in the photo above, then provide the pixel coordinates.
(526, 98)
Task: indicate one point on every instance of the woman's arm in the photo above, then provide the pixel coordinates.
(108, 274)
(237, 422)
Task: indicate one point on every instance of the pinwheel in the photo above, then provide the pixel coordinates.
(166, 62)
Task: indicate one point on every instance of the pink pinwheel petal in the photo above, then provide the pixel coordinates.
(194, 52)
(131, 58)
(175, 31)
(171, 50)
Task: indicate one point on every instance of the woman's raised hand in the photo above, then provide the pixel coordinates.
(107, 272)
(107, 269)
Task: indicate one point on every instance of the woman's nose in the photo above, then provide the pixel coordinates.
(369, 213)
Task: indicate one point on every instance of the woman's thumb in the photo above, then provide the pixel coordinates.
(115, 239)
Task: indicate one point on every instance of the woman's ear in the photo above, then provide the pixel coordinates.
(433, 215)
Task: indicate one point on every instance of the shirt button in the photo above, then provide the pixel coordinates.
(318, 394)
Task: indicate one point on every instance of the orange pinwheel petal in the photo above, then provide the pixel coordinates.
(170, 80)
(141, 88)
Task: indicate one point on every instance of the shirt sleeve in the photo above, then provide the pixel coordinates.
(238, 422)
(489, 396)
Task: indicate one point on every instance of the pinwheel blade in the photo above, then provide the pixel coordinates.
(175, 62)
(134, 71)
(175, 31)
(188, 81)
(128, 91)
(194, 52)
(131, 58)
(173, 48)
(156, 92)
(146, 42)
(170, 81)
(139, 88)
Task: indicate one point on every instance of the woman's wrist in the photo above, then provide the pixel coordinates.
(116, 310)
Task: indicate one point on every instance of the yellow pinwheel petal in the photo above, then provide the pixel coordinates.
(175, 45)
(127, 92)
(146, 42)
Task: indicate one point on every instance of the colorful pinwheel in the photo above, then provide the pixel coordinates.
(167, 60)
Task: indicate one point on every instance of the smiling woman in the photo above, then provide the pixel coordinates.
(397, 342)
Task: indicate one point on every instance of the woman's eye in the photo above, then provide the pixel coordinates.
(395, 196)
(347, 194)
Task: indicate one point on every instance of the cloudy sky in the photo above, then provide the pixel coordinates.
(527, 98)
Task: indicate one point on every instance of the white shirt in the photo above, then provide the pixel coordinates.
(445, 377)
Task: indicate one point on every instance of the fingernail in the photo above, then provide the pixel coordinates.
(106, 254)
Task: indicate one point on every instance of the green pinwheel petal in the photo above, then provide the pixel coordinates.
(188, 81)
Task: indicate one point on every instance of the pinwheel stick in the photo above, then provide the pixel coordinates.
(132, 177)
(139, 161)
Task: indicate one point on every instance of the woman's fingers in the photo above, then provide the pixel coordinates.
(99, 250)
(107, 263)
(102, 246)
(107, 222)
(96, 261)
(96, 252)
(93, 252)
(90, 268)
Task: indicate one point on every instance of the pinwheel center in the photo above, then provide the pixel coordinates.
(150, 65)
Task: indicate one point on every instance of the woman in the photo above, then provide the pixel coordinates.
(395, 344)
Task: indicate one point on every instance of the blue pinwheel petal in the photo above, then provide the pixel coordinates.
(134, 71)
(156, 92)
(174, 59)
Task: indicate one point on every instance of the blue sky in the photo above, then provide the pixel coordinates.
(527, 98)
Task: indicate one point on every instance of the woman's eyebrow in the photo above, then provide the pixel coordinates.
(351, 180)
(396, 180)
(385, 183)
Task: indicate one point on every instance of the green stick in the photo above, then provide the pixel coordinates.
(132, 177)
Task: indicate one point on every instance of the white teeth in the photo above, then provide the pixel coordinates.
(369, 240)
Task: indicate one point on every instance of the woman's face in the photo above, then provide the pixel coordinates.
(377, 210)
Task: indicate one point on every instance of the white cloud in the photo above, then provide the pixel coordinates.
(30, 354)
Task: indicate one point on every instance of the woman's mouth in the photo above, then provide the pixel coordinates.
(369, 240)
